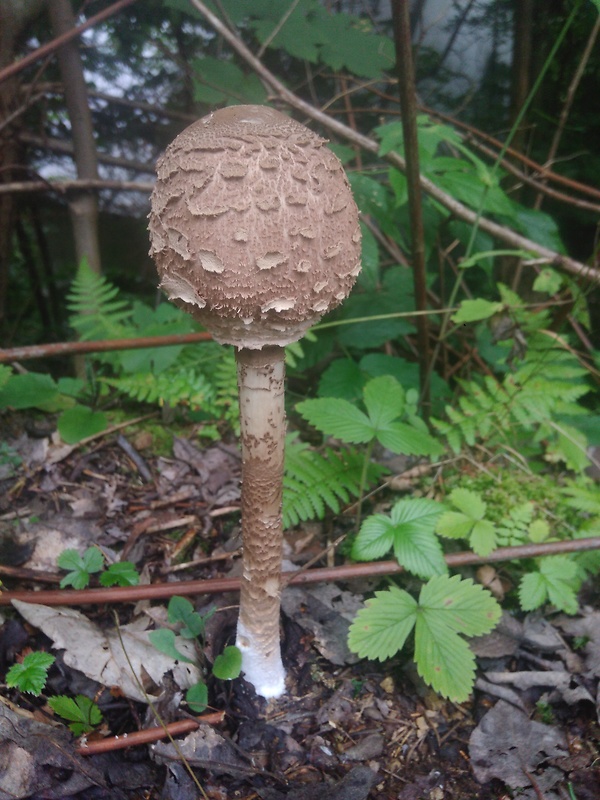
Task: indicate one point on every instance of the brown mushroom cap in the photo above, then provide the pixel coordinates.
(253, 226)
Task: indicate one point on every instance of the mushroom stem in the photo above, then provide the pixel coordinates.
(261, 377)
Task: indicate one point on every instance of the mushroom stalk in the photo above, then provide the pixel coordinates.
(261, 376)
(255, 232)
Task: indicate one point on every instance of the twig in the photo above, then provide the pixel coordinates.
(22, 187)
(100, 346)
(55, 44)
(345, 572)
(564, 114)
(148, 735)
(133, 454)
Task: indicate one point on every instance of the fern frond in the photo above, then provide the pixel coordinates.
(96, 311)
(173, 387)
(547, 386)
(315, 482)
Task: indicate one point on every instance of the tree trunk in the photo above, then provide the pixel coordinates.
(83, 205)
(15, 16)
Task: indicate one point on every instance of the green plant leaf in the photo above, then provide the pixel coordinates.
(539, 530)
(81, 712)
(448, 608)
(380, 629)
(402, 438)
(122, 573)
(375, 538)
(476, 310)
(31, 674)
(409, 531)
(483, 537)
(79, 422)
(181, 610)
(80, 567)
(338, 418)
(466, 607)
(454, 525)
(164, 640)
(470, 503)
(197, 697)
(468, 523)
(228, 664)
(384, 400)
(556, 581)
(31, 390)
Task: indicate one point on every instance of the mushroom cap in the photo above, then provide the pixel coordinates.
(253, 226)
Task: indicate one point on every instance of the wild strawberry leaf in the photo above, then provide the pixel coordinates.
(31, 674)
(380, 629)
(409, 531)
(448, 608)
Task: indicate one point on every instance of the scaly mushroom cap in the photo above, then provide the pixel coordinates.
(253, 226)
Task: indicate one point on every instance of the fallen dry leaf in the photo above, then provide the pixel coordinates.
(100, 654)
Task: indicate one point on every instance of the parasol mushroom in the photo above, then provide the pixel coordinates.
(254, 231)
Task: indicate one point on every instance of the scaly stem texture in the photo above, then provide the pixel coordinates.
(261, 375)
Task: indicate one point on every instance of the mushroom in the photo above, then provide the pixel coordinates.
(255, 232)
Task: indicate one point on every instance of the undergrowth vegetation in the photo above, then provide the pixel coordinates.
(513, 413)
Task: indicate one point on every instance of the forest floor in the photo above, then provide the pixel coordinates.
(346, 729)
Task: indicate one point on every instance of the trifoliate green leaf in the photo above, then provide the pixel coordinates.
(81, 567)
(409, 531)
(31, 674)
(447, 609)
(121, 573)
(468, 523)
(379, 630)
(228, 664)
(83, 714)
(555, 581)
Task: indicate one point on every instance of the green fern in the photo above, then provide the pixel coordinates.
(173, 387)
(314, 482)
(226, 389)
(534, 399)
(96, 310)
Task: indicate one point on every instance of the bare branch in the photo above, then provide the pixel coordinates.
(55, 44)
(62, 187)
(158, 591)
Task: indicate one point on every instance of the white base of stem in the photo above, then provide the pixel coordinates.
(263, 670)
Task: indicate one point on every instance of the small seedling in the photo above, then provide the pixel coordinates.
(82, 713)
(82, 567)
(192, 625)
(31, 674)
